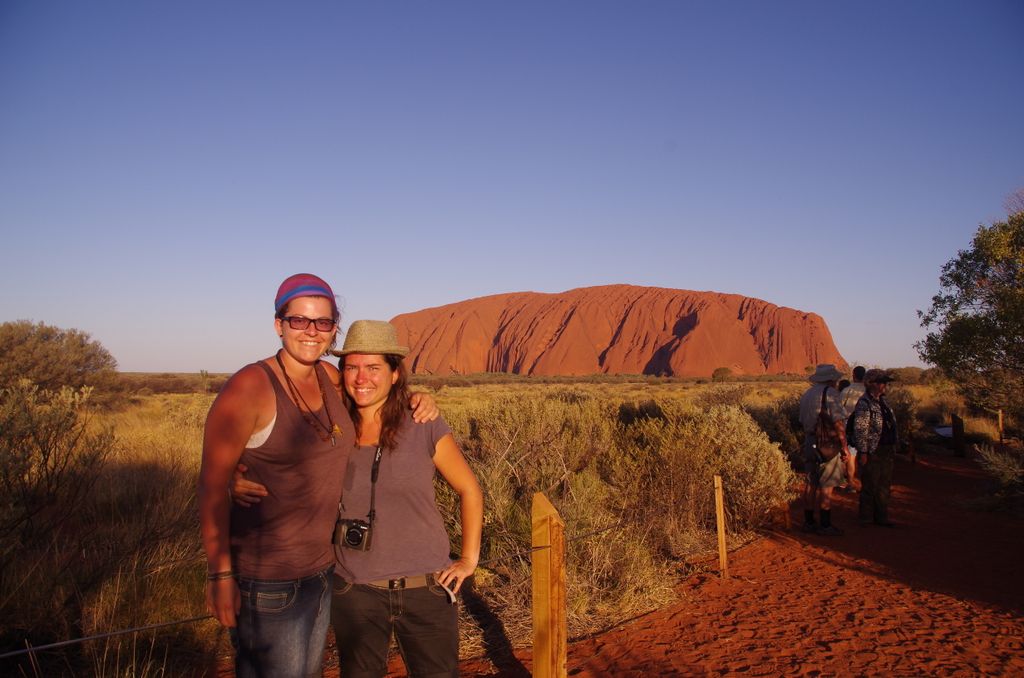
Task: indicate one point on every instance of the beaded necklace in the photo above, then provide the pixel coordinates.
(327, 431)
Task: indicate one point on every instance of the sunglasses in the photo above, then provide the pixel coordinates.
(298, 322)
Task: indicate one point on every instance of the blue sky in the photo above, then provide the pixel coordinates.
(163, 166)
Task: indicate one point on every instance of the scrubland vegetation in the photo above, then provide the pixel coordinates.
(99, 532)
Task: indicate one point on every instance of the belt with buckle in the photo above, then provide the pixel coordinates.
(415, 582)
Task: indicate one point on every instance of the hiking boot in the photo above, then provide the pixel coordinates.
(830, 531)
(809, 527)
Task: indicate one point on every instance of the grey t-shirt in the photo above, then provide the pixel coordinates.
(409, 536)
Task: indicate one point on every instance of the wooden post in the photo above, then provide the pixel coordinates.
(784, 517)
(1000, 428)
(959, 447)
(723, 561)
(548, 565)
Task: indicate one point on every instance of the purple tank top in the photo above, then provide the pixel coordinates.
(288, 534)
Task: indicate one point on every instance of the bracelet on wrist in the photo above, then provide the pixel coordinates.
(217, 576)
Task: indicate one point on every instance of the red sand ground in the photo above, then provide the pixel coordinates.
(939, 595)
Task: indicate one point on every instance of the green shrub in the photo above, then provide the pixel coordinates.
(674, 461)
(907, 376)
(49, 464)
(724, 394)
(721, 374)
(1005, 466)
(905, 408)
(52, 358)
(99, 533)
(644, 469)
(556, 444)
(780, 421)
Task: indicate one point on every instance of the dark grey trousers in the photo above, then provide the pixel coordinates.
(876, 476)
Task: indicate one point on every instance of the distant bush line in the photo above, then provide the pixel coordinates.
(151, 383)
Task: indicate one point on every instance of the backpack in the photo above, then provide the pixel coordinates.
(825, 434)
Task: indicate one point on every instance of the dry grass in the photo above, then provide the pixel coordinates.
(127, 556)
(636, 457)
(637, 454)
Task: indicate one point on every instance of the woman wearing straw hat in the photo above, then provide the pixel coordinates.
(269, 569)
(392, 550)
(395, 583)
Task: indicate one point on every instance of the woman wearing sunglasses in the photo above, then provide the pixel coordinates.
(394, 573)
(269, 567)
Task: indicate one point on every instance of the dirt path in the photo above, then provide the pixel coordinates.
(941, 594)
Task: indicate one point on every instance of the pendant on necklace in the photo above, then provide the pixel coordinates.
(334, 431)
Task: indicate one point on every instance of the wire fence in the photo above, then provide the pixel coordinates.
(191, 620)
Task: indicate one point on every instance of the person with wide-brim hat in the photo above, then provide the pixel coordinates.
(824, 374)
(283, 420)
(822, 476)
(408, 563)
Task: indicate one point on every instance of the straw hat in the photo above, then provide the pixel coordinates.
(825, 373)
(372, 336)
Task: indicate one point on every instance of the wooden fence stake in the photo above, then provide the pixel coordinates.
(548, 566)
(723, 561)
(1000, 428)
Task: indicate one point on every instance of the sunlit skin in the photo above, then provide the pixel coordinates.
(245, 405)
(304, 348)
(876, 389)
(368, 379)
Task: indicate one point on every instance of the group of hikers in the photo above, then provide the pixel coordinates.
(850, 440)
(317, 505)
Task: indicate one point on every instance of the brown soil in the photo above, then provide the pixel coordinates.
(940, 594)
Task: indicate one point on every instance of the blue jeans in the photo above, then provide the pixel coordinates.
(282, 626)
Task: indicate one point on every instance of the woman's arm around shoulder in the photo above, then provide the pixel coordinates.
(452, 466)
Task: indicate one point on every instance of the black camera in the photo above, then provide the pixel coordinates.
(353, 534)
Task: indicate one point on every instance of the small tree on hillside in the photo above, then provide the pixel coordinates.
(52, 358)
(977, 319)
(721, 374)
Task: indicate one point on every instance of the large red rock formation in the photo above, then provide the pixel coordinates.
(615, 329)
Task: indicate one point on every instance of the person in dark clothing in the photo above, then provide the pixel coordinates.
(876, 439)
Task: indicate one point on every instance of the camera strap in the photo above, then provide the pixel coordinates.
(373, 485)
